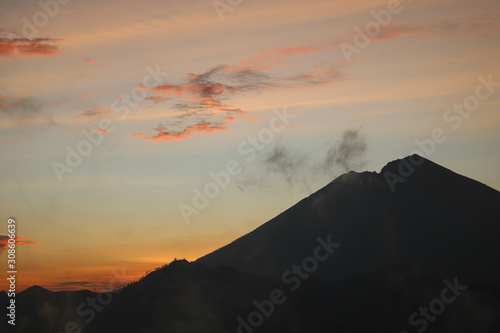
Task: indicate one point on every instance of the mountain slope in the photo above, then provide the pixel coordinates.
(380, 256)
(436, 223)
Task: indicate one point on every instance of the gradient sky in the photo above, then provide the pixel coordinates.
(119, 209)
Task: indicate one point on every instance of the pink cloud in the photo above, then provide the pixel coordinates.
(19, 241)
(16, 47)
(157, 99)
(163, 134)
(101, 131)
(89, 94)
(88, 60)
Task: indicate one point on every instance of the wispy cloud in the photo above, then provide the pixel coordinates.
(10, 142)
(101, 131)
(210, 91)
(93, 113)
(11, 45)
(299, 169)
(19, 241)
(90, 94)
(201, 102)
(279, 57)
(156, 99)
(347, 154)
(88, 60)
(394, 31)
(164, 134)
(480, 26)
(282, 160)
(75, 284)
(23, 110)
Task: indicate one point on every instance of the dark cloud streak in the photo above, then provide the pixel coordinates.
(300, 170)
(14, 45)
(23, 110)
(19, 241)
(348, 153)
(202, 98)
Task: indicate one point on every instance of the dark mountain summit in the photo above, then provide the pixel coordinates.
(435, 222)
(413, 248)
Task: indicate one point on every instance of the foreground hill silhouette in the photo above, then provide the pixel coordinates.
(189, 297)
(430, 241)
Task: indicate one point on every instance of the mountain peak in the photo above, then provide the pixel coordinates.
(34, 289)
(381, 219)
(406, 164)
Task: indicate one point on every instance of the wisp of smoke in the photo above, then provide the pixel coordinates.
(300, 169)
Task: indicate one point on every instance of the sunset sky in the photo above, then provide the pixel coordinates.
(171, 91)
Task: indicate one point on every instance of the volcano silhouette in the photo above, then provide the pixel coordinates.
(366, 253)
(435, 222)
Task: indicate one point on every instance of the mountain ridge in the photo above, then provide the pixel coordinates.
(359, 207)
(353, 257)
(185, 297)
